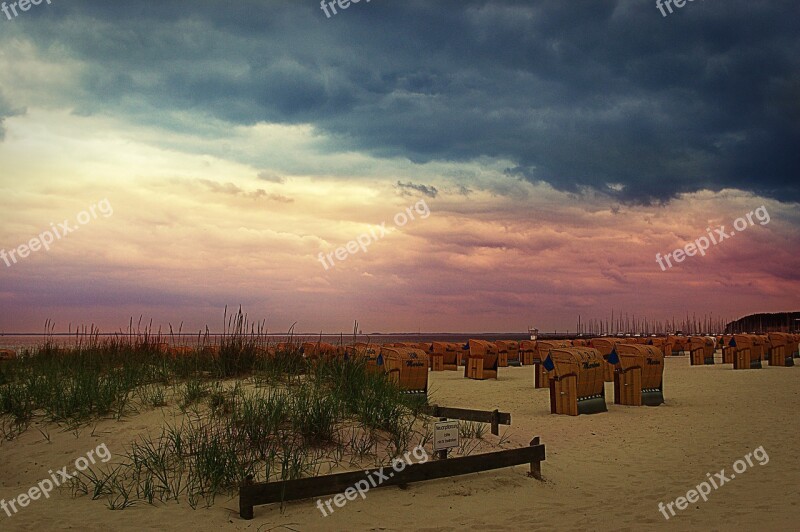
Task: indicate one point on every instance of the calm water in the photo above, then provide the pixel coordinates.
(20, 343)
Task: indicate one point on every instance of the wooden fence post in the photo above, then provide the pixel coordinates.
(536, 465)
(245, 503)
(442, 454)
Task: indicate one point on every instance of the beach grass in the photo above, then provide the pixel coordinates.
(248, 410)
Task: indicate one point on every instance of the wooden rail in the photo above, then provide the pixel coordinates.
(252, 494)
(495, 417)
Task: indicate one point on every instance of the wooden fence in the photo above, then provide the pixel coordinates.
(495, 417)
(255, 494)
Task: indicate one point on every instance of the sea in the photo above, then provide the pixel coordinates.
(30, 342)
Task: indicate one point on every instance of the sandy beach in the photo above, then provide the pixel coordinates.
(606, 471)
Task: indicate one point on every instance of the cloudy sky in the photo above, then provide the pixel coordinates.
(547, 150)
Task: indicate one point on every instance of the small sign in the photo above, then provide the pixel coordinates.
(445, 435)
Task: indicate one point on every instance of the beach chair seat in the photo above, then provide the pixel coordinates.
(482, 362)
(369, 353)
(447, 353)
(576, 381)
(408, 367)
(638, 375)
(743, 354)
(781, 349)
(320, 350)
(508, 351)
(760, 348)
(701, 351)
(527, 352)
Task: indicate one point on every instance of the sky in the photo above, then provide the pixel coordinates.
(494, 165)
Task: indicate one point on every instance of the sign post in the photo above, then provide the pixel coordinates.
(445, 436)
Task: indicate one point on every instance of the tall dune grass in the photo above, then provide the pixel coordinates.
(250, 410)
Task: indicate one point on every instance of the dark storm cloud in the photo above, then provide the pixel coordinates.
(410, 188)
(607, 95)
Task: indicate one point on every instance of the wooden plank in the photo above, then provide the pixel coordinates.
(564, 395)
(251, 494)
(480, 416)
(536, 465)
